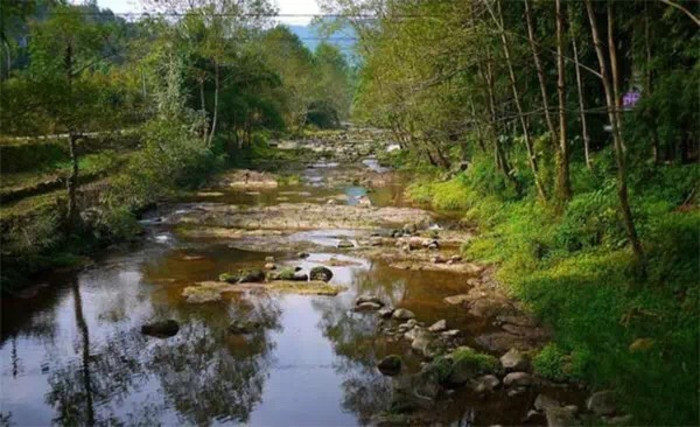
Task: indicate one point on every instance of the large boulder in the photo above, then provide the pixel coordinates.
(251, 276)
(390, 365)
(321, 273)
(518, 379)
(161, 329)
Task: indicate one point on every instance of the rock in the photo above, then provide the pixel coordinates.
(270, 266)
(331, 202)
(641, 345)
(514, 360)
(345, 244)
(243, 327)
(300, 277)
(321, 273)
(412, 332)
(303, 255)
(385, 312)
(390, 365)
(364, 201)
(485, 383)
(269, 259)
(422, 341)
(251, 276)
(455, 258)
(403, 314)
(518, 379)
(516, 391)
(542, 402)
(468, 364)
(560, 417)
(368, 298)
(287, 273)
(437, 259)
(451, 333)
(367, 306)
(410, 228)
(602, 403)
(438, 326)
(434, 245)
(457, 299)
(161, 329)
(228, 277)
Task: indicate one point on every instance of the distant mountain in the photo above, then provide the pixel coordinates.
(343, 39)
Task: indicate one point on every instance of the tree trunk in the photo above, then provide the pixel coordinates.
(648, 88)
(581, 106)
(216, 103)
(563, 179)
(202, 106)
(516, 97)
(73, 214)
(617, 138)
(615, 75)
(85, 368)
(540, 73)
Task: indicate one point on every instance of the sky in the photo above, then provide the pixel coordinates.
(308, 7)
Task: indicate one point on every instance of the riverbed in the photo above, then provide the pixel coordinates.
(72, 350)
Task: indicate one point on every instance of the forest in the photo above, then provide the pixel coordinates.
(559, 138)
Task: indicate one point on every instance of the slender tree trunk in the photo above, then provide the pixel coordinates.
(581, 106)
(202, 107)
(617, 139)
(516, 97)
(563, 179)
(72, 184)
(216, 103)
(477, 127)
(615, 75)
(85, 371)
(648, 88)
(540, 73)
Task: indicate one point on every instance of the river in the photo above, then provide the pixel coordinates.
(72, 352)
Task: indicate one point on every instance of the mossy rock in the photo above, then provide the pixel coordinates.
(229, 277)
(463, 364)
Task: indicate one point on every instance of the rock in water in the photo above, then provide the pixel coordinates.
(542, 402)
(161, 329)
(438, 326)
(403, 314)
(251, 276)
(367, 306)
(390, 365)
(514, 360)
(560, 417)
(518, 379)
(385, 312)
(602, 402)
(485, 383)
(368, 298)
(345, 244)
(321, 273)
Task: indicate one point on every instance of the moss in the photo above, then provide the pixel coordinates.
(229, 277)
(484, 362)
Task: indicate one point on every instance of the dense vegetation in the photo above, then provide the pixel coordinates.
(522, 115)
(139, 109)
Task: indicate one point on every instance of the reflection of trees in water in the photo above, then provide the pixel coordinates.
(355, 340)
(204, 372)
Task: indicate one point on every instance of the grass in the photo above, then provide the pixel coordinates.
(613, 327)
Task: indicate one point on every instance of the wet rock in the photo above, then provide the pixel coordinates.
(367, 306)
(251, 276)
(229, 277)
(368, 298)
(452, 333)
(437, 259)
(412, 333)
(560, 417)
(421, 341)
(270, 266)
(345, 244)
(485, 383)
(457, 299)
(303, 255)
(468, 364)
(243, 327)
(321, 273)
(300, 277)
(438, 326)
(433, 245)
(161, 329)
(403, 314)
(515, 391)
(286, 273)
(514, 360)
(542, 402)
(269, 259)
(602, 403)
(518, 379)
(390, 365)
(385, 312)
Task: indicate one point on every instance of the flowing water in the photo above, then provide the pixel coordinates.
(72, 351)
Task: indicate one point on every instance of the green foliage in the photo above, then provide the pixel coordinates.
(484, 362)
